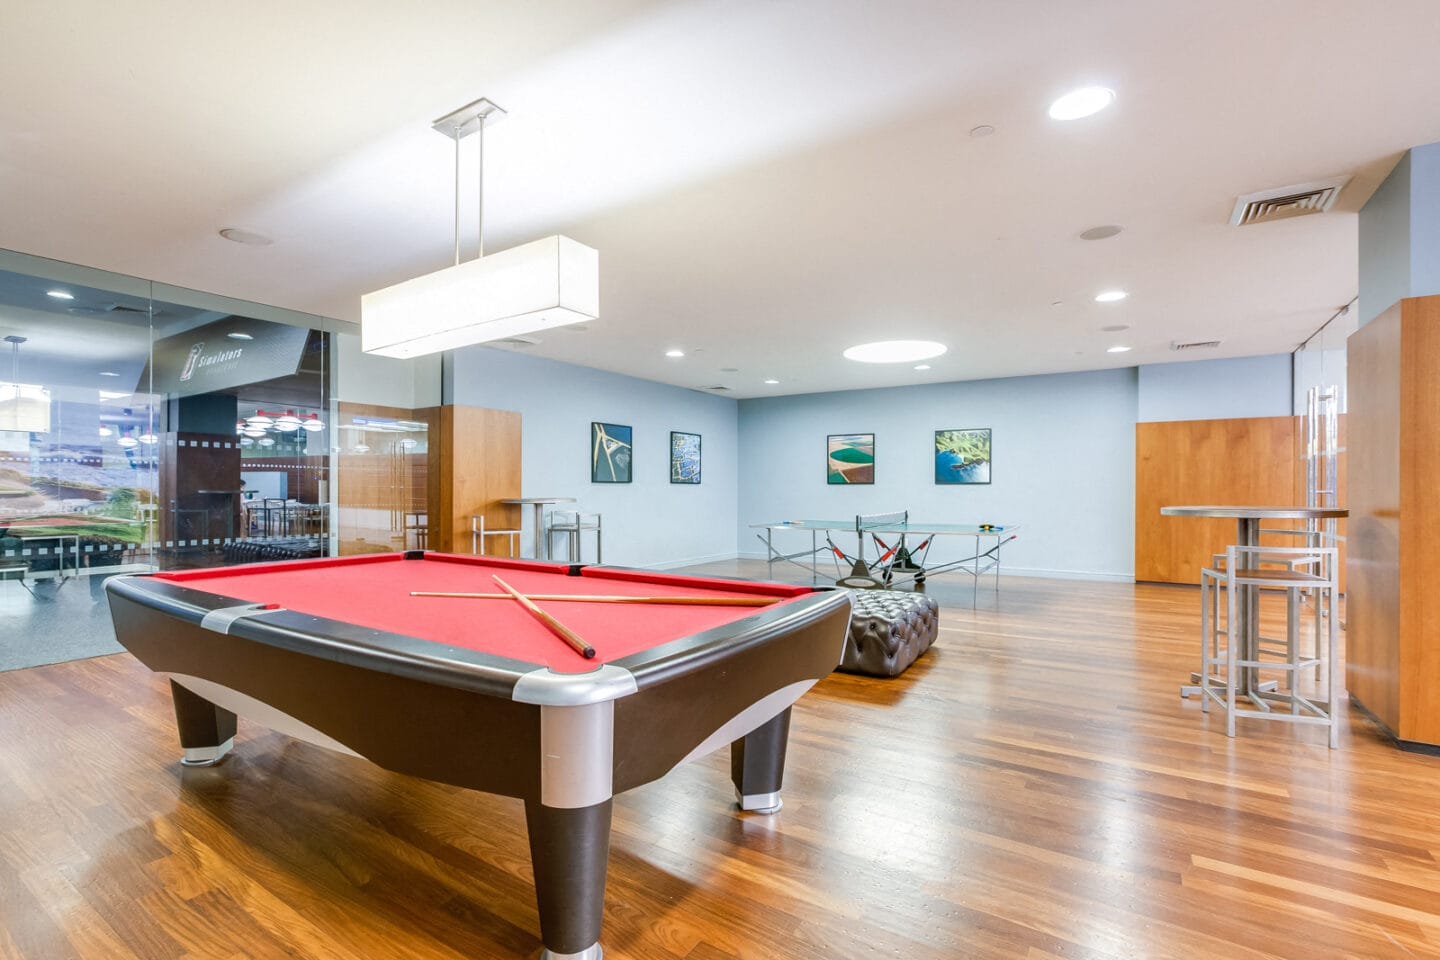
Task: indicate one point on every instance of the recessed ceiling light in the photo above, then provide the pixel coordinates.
(237, 335)
(729, 369)
(895, 351)
(772, 382)
(60, 294)
(1117, 349)
(1115, 328)
(1110, 296)
(236, 235)
(984, 130)
(1100, 233)
(922, 366)
(674, 353)
(1082, 103)
(108, 373)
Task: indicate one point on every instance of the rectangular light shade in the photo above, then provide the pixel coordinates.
(24, 408)
(535, 286)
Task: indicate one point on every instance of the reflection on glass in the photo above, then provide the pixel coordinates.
(74, 499)
(383, 469)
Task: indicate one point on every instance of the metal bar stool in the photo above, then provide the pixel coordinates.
(478, 533)
(572, 524)
(1241, 658)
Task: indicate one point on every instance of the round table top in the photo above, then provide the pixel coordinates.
(1258, 513)
(538, 500)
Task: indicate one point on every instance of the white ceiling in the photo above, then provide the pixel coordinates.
(767, 181)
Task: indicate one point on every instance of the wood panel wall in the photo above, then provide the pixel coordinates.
(1184, 462)
(1393, 617)
(472, 461)
(476, 464)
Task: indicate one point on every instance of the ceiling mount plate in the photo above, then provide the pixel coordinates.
(461, 123)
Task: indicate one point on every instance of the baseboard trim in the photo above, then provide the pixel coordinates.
(1409, 746)
(1007, 570)
(712, 558)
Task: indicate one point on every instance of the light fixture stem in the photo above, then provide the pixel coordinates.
(457, 201)
(480, 192)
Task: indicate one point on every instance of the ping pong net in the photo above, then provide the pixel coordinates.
(877, 521)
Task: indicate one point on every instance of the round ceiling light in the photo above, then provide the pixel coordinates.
(1117, 349)
(895, 351)
(1100, 233)
(922, 366)
(237, 335)
(108, 373)
(1115, 328)
(1082, 103)
(983, 130)
(675, 354)
(60, 294)
(772, 382)
(1110, 296)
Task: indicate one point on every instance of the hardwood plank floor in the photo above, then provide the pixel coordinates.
(1032, 788)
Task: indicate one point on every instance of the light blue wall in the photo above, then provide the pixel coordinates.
(1216, 389)
(1400, 234)
(1424, 221)
(1064, 464)
(649, 521)
(1385, 243)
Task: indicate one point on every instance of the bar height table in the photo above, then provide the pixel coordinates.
(539, 504)
(1247, 601)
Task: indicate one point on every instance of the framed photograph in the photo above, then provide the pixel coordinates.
(610, 453)
(962, 456)
(850, 458)
(684, 457)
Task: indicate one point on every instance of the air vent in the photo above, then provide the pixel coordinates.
(126, 308)
(1194, 344)
(1282, 203)
(718, 388)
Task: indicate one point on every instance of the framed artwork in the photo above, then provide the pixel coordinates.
(610, 453)
(684, 457)
(962, 456)
(850, 458)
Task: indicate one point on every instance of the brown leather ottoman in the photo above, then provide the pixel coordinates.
(888, 630)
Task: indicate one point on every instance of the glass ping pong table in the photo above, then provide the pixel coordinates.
(898, 557)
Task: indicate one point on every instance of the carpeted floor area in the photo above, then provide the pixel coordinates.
(62, 620)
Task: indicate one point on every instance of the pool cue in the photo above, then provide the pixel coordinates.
(556, 627)
(581, 598)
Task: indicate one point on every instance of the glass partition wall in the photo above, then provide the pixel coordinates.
(149, 427)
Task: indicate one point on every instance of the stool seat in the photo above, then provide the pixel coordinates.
(889, 630)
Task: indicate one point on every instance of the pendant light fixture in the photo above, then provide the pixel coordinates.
(535, 286)
(24, 407)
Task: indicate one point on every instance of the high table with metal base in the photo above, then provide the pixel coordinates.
(1247, 600)
(539, 503)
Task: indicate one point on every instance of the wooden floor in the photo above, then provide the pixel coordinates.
(1033, 788)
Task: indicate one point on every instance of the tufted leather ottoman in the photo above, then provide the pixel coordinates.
(888, 630)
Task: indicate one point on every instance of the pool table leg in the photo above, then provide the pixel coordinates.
(757, 764)
(207, 732)
(569, 849)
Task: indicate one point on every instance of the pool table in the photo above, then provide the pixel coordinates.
(478, 693)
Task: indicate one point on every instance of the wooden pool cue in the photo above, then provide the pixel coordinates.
(555, 626)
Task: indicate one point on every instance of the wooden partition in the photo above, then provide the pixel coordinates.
(474, 466)
(1393, 607)
(1255, 461)
(397, 495)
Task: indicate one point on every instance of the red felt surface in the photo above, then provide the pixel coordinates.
(374, 591)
